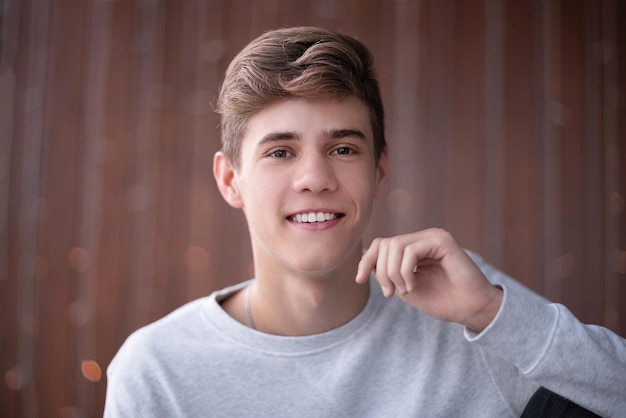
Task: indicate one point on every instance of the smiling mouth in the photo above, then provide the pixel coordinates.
(314, 217)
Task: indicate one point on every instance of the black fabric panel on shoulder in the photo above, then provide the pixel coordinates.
(547, 404)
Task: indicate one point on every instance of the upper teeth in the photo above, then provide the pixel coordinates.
(313, 217)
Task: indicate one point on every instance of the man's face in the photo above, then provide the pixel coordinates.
(307, 181)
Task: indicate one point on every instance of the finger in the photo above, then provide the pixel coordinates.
(432, 245)
(382, 269)
(368, 263)
(409, 269)
(395, 254)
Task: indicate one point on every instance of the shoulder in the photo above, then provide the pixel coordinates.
(159, 357)
(157, 339)
(179, 331)
(135, 376)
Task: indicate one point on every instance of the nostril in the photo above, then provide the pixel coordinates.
(315, 179)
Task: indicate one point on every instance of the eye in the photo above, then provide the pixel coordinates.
(343, 151)
(279, 153)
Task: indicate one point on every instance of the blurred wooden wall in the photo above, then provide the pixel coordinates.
(506, 121)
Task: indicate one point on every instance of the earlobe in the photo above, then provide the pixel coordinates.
(226, 178)
(381, 173)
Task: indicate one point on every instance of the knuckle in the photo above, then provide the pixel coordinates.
(385, 241)
(442, 235)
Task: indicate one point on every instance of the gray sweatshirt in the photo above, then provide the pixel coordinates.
(389, 361)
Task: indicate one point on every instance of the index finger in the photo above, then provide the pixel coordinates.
(368, 262)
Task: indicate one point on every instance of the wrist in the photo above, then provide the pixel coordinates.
(482, 319)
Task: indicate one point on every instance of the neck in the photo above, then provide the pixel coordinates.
(297, 303)
(306, 307)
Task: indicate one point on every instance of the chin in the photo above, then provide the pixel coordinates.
(318, 267)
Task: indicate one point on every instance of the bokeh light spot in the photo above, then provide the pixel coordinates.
(77, 314)
(13, 380)
(91, 370)
(78, 259)
(567, 265)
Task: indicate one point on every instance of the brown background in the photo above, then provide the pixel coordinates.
(506, 126)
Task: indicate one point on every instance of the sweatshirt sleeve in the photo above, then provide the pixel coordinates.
(547, 343)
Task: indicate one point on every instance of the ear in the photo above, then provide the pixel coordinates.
(226, 179)
(381, 173)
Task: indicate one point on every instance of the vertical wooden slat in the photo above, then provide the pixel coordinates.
(383, 16)
(465, 149)
(370, 14)
(198, 256)
(571, 261)
(143, 184)
(439, 113)
(612, 147)
(59, 316)
(211, 220)
(31, 122)
(521, 251)
(90, 224)
(185, 78)
(9, 149)
(549, 116)
(619, 200)
(593, 190)
(114, 258)
(495, 180)
(169, 206)
(9, 30)
(402, 201)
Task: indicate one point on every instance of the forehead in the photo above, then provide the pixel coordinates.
(308, 118)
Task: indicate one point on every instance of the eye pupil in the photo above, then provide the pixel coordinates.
(279, 153)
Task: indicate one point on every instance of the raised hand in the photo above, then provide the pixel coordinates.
(431, 272)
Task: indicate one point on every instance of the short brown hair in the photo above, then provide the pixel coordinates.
(304, 62)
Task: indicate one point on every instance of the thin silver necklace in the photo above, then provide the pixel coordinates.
(246, 306)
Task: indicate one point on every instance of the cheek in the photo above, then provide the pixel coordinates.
(261, 191)
(362, 186)
(367, 176)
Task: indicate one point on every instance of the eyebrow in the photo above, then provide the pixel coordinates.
(278, 136)
(293, 136)
(344, 133)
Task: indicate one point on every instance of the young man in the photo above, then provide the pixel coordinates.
(413, 326)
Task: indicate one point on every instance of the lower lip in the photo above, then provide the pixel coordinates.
(318, 226)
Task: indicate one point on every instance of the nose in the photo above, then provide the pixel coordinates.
(314, 173)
